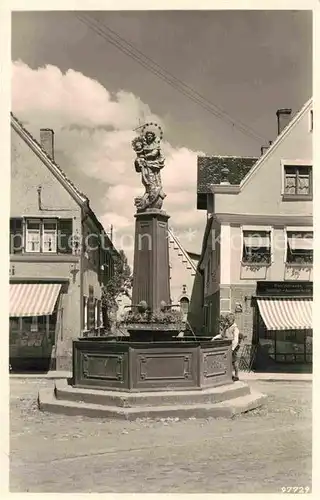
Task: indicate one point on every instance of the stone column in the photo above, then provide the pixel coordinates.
(151, 259)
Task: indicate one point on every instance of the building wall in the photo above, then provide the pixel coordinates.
(277, 271)
(179, 276)
(237, 283)
(27, 173)
(296, 146)
(91, 261)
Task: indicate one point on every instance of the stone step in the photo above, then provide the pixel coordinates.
(226, 409)
(65, 392)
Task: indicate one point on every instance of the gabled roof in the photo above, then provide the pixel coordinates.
(50, 164)
(277, 142)
(209, 172)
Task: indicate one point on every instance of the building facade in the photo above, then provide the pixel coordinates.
(257, 257)
(60, 256)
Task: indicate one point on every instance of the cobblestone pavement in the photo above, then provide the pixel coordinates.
(259, 452)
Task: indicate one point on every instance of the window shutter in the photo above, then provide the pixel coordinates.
(16, 236)
(64, 236)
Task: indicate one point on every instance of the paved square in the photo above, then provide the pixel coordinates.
(259, 452)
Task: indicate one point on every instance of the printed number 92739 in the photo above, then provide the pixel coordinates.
(295, 489)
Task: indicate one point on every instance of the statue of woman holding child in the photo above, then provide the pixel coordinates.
(149, 161)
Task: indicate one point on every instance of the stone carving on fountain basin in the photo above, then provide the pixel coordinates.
(149, 162)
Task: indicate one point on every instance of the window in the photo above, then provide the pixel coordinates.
(298, 180)
(99, 323)
(91, 309)
(49, 236)
(256, 247)
(299, 247)
(16, 235)
(184, 305)
(85, 313)
(96, 313)
(34, 324)
(33, 232)
(44, 235)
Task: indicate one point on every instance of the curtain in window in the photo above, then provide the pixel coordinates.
(290, 184)
(303, 185)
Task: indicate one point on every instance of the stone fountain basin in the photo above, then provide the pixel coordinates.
(129, 365)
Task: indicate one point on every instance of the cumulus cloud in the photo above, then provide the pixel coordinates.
(93, 131)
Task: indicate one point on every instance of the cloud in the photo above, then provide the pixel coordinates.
(93, 134)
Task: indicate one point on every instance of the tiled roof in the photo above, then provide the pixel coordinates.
(209, 170)
(37, 148)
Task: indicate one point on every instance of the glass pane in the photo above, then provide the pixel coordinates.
(51, 226)
(303, 184)
(14, 323)
(33, 241)
(290, 184)
(49, 241)
(33, 225)
(300, 358)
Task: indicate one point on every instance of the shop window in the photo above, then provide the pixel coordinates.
(256, 247)
(299, 247)
(16, 235)
(298, 181)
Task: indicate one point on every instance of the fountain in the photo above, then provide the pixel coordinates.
(156, 371)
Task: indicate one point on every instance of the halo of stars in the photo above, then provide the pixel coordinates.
(150, 126)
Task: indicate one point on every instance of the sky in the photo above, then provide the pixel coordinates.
(68, 77)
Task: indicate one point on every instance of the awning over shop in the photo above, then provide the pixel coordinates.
(35, 299)
(286, 314)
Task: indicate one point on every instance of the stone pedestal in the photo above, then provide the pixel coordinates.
(151, 259)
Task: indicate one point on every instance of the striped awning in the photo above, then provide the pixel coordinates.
(35, 299)
(286, 314)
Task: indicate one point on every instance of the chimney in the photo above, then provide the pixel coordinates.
(284, 117)
(264, 148)
(47, 141)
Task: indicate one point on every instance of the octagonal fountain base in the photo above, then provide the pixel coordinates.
(129, 380)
